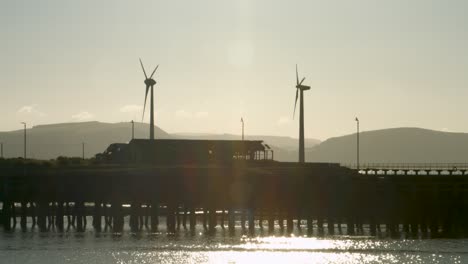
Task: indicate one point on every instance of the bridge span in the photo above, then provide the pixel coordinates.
(318, 197)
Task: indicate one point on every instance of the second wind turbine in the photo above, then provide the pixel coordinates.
(300, 87)
(149, 82)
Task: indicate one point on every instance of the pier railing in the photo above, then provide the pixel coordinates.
(408, 166)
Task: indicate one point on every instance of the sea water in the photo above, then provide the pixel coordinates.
(221, 246)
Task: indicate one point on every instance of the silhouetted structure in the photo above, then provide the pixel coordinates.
(321, 197)
(300, 87)
(149, 82)
(184, 151)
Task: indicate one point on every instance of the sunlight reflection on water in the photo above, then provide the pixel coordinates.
(221, 247)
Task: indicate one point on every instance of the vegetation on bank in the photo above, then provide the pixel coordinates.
(58, 162)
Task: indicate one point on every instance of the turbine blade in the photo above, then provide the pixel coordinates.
(154, 71)
(142, 67)
(144, 104)
(295, 103)
(302, 81)
(297, 76)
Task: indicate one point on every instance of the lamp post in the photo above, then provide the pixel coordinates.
(242, 121)
(357, 143)
(133, 129)
(24, 123)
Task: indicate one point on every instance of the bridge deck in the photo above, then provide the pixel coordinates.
(315, 193)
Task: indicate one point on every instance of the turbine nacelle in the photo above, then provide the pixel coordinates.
(150, 82)
(303, 87)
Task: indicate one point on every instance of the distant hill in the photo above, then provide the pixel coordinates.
(396, 145)
(50, 141)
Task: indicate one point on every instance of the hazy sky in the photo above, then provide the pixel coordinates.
(392, 63)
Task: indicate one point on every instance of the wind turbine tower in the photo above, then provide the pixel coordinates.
(300, 88)
(149, 82)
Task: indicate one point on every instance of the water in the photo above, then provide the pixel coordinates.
(221, 247)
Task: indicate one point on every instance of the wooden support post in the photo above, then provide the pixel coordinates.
(69, 213)
(260, 218)
(251, 216)
(231, 219)
(414, 228)
(406, 228)
(59, 217)
(80, 214)
(170, 218)
(372, 227)
(24, 214)
(117, 217)
(223, 213)
(147, 213)
(310, 227)
(42, 215)
(205, 212)
(107, 216)
(424, 228)
(299, 217)
(154, 216)
(178, 217)
(280, 220)
(320, 224)
(192, 218)
(350, 227)
(395, 230)
(13, 214)
(97, 216)
(6, 215)
(140, 217)
(212, 223)
(289, 222)
(434, 228)
(32, 210)
(51, 215)
(331, 225)
(243, 218)
(271, 220)
(184, 217)
(133, 223)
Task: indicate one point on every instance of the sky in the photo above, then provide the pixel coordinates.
(392, 63)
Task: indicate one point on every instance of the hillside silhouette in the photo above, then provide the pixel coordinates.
(395, 145)
(51, 141)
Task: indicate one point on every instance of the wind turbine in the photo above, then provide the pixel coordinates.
(149, 82)
(300, 87)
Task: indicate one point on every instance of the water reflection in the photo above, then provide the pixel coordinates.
(222, 246)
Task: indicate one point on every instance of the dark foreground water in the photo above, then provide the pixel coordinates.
(221, 247)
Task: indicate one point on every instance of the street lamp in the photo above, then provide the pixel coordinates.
(357, 142)
(24, 123)
(242, 121)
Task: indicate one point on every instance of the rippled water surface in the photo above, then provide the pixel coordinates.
(222, 247)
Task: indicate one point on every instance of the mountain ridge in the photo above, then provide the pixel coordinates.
(394, 145)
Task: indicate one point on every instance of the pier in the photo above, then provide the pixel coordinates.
(315, 197)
